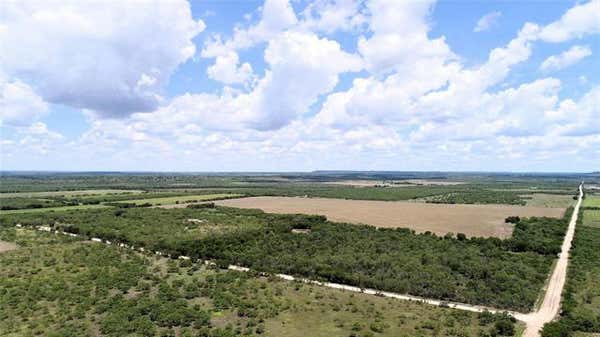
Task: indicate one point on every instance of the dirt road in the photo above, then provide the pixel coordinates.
(551, 304)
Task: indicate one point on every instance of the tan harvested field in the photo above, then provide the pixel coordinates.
(6, 246)
(472, 220)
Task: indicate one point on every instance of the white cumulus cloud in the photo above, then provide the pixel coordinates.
(566, 58)
(227, 69)
(581, 20)
(111, 57)
(19, 104)
(487, 21)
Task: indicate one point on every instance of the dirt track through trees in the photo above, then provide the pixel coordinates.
(472, 220)
(551, 304)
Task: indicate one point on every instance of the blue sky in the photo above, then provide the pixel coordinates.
(300, 85)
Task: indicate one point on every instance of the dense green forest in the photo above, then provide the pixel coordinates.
(581, 297)
(500, 273)
(53, 286)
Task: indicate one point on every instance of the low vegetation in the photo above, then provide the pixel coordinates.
(549, 200)
(56, 287)
(187, 199)
(500, 273)
(581, 297)
(592, 217)
(591, 201)
(477, 196)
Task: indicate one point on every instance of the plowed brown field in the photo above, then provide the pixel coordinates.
(472, 220)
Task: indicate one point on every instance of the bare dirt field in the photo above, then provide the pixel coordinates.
(472, 220)
(6, 246)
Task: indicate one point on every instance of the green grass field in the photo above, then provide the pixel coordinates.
(549, 200)
(591, 201)
(182, 199)
(591, 218)
(65, 193)
(52, 209)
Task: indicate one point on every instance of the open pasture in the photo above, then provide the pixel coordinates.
(591, 218)
(472, 220)
(65, 193)
(52, 209)
(394, 183)
(549, 200)
(591, 201)
(187, 199)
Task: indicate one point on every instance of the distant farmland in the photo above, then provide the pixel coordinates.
(472, 220)
(181, 199)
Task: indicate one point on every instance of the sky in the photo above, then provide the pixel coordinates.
(280, 85)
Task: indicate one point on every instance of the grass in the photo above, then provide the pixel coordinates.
(65, 193)
(478, 271)
(591, 218)
(591, 201)
(30, 238)
(182, 199)
(58, 288)
(52, 209)
(549, 200)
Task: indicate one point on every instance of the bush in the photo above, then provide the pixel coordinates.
(512, 219)
(557, 329)
(201, 206)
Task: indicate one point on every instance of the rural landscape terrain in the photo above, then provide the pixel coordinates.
(299, 168)
(317, 254)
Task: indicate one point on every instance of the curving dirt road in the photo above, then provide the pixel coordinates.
(551, 304)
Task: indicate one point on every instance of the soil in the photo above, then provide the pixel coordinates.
(472, 220)
(6, 246)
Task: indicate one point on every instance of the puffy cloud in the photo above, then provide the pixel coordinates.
(330, 16)
(276, 99)
(487, 21)
(566, 58)
(317, 61)
(19, 104)
(227, 69)
(110, 57)
(276, 16)
(577, 118)
(399, 41)
(38, 139)
(413, 96)
(581, 20)
(425, 80)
